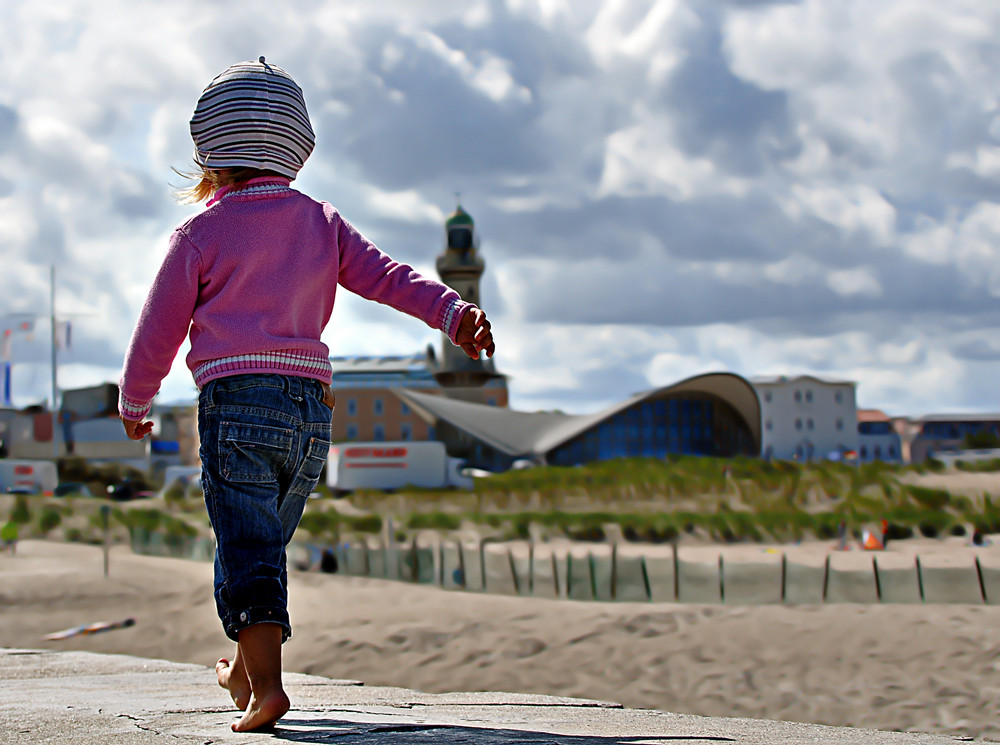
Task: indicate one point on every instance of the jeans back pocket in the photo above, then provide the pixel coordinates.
(311, 468)
(253, 453)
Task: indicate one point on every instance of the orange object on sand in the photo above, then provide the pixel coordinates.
(872, 542)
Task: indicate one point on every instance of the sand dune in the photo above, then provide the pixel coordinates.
(910, 667)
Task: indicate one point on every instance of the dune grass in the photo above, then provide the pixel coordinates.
(640, 499)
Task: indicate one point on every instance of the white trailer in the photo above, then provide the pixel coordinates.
(33, 476)
(393, 465)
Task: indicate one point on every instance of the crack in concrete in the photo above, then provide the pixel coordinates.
(139, 725)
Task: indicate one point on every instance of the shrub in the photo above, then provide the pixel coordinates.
(928, 530)
(934, 465)
(433, 521)
(317, 523)
(589, 533)
(363, 523)
(20, 514)
(826, 526)
(898, 532)
(934, 499)
(142, 519)
(49, 519)
(175, 493)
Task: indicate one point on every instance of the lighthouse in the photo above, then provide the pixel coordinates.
(461, 267)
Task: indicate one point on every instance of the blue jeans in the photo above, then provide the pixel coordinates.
(264, 442)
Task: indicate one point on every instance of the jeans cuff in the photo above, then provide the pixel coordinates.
(252, 616)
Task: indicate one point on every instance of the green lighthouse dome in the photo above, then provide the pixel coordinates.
(458, 218)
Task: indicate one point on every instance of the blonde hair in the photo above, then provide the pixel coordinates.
(209, 181)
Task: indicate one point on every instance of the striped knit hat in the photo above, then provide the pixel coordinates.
(252, 115)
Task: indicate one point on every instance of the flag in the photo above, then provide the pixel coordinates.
(26, 327)
(63, 333)
(6, 384)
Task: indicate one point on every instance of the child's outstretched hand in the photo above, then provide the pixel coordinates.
(138, 430)
(474, 334)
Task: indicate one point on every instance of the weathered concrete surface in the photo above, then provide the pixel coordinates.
(754, 583)
(660, 573)
(949, 584)
(803, 584)
(581, 583)
(630, 584)
(698, 583)
(88, 699)
(543, 580)
(852, 586)
(498, 576)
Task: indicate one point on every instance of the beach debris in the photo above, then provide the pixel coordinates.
(93, 628)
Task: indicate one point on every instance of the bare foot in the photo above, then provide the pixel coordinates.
(264, 711)
(233, 677)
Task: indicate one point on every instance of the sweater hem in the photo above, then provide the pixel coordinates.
(133, 409)
(285, 362)
(451, 316)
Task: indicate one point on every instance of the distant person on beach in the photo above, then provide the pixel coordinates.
(842, 536)
(8, 537)
(252, 281)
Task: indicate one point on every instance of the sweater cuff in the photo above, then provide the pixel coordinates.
(133, 409)
(451, 317)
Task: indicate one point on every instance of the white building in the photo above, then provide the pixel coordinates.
(806, 418)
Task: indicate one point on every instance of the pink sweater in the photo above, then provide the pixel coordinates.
(253, 278)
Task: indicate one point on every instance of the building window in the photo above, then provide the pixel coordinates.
(809, 423)
(379, 407)
(840, 424)
(767, 396)
(352, 431)
(838, 396)
(404, 409)
(352, 407)
(798, 397)
(892, 451)
(405, 432)
(769, 425)
(809, 395)
(864, 453)
(878, 452)
(379, 433)
(798, 424)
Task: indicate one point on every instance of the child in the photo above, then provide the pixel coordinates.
(253, 279)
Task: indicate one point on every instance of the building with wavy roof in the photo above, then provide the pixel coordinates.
(714, 414)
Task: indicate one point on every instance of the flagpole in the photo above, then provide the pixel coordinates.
(55, 390)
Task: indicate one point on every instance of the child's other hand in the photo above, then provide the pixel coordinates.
(474, 334)
(138, 430)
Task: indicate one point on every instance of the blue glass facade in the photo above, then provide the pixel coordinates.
(957, 430)
(688, 425)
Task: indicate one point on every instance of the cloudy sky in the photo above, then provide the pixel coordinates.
(662, 187)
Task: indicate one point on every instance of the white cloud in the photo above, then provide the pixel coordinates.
(859, 281)
(660, 187)
(854, 209)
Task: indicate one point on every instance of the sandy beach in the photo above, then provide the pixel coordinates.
(929, 668)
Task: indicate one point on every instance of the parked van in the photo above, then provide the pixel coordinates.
(393, 465)
(28, 476)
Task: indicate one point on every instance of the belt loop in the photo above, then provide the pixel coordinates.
(293, 383)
